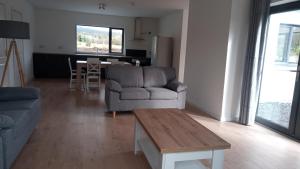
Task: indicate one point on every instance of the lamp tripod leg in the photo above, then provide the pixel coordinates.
(6, 63)
(20, 69)
(13, 46)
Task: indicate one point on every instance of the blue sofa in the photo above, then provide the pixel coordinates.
(20, 112)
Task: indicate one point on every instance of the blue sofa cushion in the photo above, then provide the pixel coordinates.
(161, 94)
(20, 118)
(135, 94)
(17, 93)
(6, 122)
(16, 105)
(22, 106)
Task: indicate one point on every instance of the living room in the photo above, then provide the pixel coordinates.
(149, 84)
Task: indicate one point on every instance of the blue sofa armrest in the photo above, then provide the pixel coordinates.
(17, 93)
(6, 122)
(113, 86)
(176, 86)
(1, 152)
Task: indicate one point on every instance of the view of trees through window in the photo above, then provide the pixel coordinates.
(116, 40)
(288, 43)
(92, 39)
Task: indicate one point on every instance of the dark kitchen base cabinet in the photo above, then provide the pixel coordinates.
(47, 65)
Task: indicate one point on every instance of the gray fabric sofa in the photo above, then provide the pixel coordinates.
(130, 87)
(20, 112)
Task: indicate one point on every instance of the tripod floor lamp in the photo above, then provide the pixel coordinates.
(13, 30)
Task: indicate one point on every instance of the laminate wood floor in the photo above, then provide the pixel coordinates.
(76, 133)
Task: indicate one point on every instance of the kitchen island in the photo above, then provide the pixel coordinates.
(49, 65)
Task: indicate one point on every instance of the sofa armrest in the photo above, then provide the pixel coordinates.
(17, 93)
(6, 122)
(176, 86)
(113, 86)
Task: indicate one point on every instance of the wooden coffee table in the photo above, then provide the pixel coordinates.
(170, 139)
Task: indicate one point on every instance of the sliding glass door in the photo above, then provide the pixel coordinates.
(279, 95)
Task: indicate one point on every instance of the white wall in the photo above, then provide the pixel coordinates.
(26, 11)
(184, 34)
(56, 30)
(171, 26)
(207, 40)
(237, 48)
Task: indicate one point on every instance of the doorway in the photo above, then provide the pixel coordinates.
(279, 100)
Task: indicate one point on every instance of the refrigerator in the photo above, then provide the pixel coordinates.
(162, 51)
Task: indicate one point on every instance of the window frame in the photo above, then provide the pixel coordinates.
(109, 41)
(286, 52)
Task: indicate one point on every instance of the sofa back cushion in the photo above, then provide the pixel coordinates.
(127, 76)
(18, 93)
(158, 76)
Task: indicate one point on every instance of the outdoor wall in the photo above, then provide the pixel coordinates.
(170, 26)
(56, 30)
(20, 10)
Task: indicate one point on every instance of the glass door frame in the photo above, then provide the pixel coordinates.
(294, 122)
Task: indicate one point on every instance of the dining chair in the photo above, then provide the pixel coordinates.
(93, 74)
(73, 76)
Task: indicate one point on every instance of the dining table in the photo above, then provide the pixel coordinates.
(80, 64)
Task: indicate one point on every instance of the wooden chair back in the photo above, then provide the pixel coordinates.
(93, 65)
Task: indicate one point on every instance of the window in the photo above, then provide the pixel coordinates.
(92, 39)
(288, 43)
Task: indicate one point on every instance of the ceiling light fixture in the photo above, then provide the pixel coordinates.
(102, 6)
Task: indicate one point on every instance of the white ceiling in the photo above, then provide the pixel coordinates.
(134, 8)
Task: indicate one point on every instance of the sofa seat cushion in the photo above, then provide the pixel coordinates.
(15, 105)
(157, 93)
(135, 94)
(6, 121)
(20, 118)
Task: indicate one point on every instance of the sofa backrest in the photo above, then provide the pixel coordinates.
(18, 93)
(127, 76)
(158, 76)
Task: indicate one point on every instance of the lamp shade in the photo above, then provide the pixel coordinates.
(14, 30)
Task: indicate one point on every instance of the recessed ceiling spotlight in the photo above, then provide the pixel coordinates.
(102, 6)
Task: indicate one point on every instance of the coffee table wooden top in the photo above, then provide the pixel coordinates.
(172, 131)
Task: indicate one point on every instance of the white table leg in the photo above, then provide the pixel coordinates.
(137, 137)
(218, 159)
(78, 76)
(167, 163)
